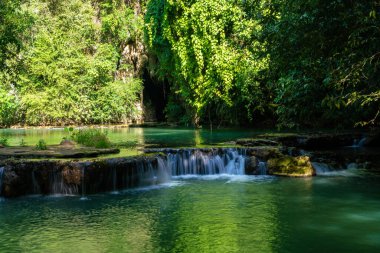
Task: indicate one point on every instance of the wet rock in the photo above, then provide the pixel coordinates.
(251, 165)
(23, 177)
(71, 175)
(371, 140)
(264, 153)
(67, 143)
(291, 166)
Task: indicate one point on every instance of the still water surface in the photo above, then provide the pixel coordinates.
(169, 137)
(203, 214)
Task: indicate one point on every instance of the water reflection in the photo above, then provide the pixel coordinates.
(281, 215)
(143, 136)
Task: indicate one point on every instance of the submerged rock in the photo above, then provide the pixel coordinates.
(314, 140)
(67, 143)
(256, 142)
(291, 166)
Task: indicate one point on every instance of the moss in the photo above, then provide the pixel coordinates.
(291, 166)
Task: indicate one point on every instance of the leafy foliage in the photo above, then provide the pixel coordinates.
(324, 61)
(92, 138)
(312, 63)
(41, 145)
(3, 141)
(210, 52)
(67, 69)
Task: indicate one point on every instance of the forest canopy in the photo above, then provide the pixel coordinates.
(312, 63)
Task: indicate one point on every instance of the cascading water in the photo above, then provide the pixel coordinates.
(359, 143)
(196, 162)
(59, 187)
(323, 169)
(262, 168)
(83, 182)
(1, 179)
(119, 174)
(163, 173)
(36, 187)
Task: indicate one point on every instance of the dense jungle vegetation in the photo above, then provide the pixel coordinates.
(310, 63)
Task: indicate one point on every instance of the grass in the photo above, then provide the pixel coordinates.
(41, 145)
(4, 142)
(92, 138)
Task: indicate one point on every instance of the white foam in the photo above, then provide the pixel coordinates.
(229, 177)
(326, 170)
(157, 186)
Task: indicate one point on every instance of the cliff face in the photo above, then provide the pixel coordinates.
(134, 53)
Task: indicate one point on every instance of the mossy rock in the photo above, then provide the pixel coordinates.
(291, 166)
(264, 152)
(55, 151)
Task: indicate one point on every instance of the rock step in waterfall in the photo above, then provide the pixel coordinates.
(19, 178)
(112, 175)
(231, 161)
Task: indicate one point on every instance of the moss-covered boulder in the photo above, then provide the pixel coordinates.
(291, 166)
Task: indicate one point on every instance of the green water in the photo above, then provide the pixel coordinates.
(168, 137)
(237, 214)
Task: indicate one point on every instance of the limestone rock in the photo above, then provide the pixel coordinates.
(67, 143)
(256, 142)
(291, 166)
(251, 165)
(265, 152)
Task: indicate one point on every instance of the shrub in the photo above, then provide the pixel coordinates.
(41, 145)
(3, 142)
(92, 138)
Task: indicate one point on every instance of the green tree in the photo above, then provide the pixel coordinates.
(210, 52)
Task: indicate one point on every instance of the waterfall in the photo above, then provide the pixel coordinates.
(83, 183)
(362, 142)
(114, 181)
(59, 187)
(321, 168)
(359, 143)
(262, 168)
(36, 186)
(1, 179)
(163, 172)
(197, 162)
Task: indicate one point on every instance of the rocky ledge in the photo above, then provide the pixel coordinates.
(54, 151)
(70, 177)
(313, 140)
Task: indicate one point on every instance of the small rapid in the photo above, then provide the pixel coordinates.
(196, 162)
(1, 181)
(323, 169)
